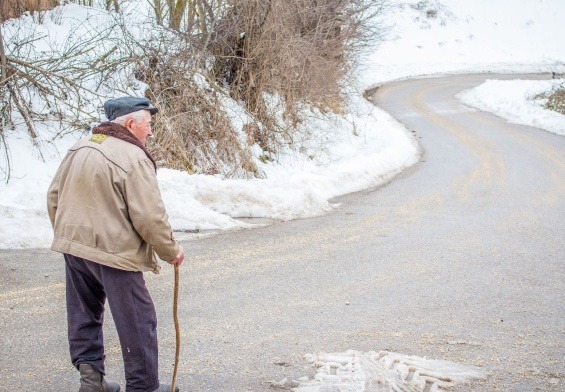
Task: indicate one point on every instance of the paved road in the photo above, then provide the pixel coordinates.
(459, 258)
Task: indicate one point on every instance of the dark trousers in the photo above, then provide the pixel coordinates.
(89, 284)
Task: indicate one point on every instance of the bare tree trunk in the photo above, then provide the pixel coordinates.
(3, 67)
(176, 13)
(158, 7)
(113, 2)
(202, 15)
(191, 16)
(3, 78)
(23, 111)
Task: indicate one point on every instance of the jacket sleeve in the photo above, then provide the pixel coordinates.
(53, 197)
(147, 211)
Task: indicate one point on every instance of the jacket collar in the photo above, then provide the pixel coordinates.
(118, 131)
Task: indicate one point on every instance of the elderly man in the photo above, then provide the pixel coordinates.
(108, 217)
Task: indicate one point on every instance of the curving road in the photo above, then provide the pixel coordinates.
(460, 258)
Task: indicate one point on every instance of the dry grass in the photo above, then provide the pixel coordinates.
(297, 49)
(193, 132)
(556, 101)
(273, 56)
(16, 8)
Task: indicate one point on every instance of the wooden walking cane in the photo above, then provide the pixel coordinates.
(177, 326)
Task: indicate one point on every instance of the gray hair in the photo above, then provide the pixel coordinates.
(137, 116)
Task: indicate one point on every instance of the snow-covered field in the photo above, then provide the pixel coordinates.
(363, 149)
(470, 36)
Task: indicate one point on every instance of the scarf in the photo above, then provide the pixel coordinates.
(118, 131)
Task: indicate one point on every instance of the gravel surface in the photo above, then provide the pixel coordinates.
(460, 258)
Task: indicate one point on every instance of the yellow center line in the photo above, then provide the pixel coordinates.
(491, 168)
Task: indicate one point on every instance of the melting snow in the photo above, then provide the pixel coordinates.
(384, 371)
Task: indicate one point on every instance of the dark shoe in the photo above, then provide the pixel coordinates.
(93, 381)
(165, 388)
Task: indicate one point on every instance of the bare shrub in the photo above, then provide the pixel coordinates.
(194, 134)
(193, 131)
(189, 16)
(431, 9)
(67, 84)
(556, 101)
(58, 84)
(59, 88)
(298, 49)
(15, 8)
(275, 57)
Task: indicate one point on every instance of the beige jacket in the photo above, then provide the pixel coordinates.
(105, 206)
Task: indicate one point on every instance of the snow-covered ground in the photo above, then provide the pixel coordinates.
(518, 101)
(362, 149)
(431, 37)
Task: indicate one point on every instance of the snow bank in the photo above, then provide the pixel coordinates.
(362, 149)
(518, 101)
(299, 185)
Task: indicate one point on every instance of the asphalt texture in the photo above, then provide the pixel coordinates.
(460, 258)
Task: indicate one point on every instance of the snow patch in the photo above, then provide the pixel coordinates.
(384, 371)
